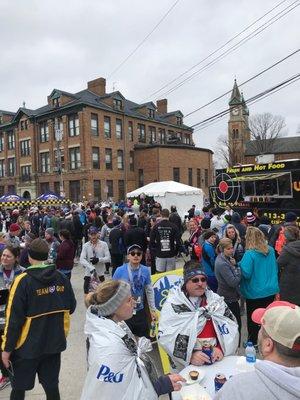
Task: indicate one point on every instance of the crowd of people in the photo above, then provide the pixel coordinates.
(232, 264)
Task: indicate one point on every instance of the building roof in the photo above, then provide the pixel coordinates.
(275, 146)
(87, 97)
(235, 95)
(7, 112)
(183, 146)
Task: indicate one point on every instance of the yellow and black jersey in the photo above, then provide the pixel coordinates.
(38, 312)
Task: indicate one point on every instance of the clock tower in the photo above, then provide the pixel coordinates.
(238, 126)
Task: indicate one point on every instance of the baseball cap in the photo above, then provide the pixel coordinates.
(93, 230)
(281, 321)
(133, 247)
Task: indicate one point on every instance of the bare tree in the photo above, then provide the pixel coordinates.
(224, 152)
(298, 129)
(265, 129)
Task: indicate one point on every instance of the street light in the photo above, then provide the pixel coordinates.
(58, 139)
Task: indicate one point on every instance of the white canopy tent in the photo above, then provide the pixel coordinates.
(170, 193)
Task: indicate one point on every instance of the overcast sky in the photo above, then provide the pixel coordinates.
(47, 44)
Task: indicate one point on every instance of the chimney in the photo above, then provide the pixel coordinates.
(97, 86)
(162, 106)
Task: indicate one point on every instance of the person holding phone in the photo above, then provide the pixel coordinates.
(9, 269)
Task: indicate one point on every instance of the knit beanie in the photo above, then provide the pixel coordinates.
(14, 227)
(290, 216)
(50, 231)
(191, 273)
(111, 306)
(250, 217)
(38, 250)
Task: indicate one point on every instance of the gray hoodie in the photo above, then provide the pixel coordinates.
(269, 381)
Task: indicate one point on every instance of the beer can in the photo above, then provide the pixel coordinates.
(220, 379)
(208, 350)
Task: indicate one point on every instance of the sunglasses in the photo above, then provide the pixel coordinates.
(197, 280)
(135, 253)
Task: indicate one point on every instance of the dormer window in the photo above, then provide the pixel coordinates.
(151, 113)
(117, 104)
(179, 120)
(55, 102)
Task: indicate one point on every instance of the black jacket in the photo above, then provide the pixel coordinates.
(115, 236)
(176, 220)
(78, 228)
(165, 239)
(289, 264)
(38, 313)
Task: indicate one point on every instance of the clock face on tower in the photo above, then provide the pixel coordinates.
(235, 111)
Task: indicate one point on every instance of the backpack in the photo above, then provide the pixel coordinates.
(281, 241)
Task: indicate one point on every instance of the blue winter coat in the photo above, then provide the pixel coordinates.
(259, 274)
(208, 258)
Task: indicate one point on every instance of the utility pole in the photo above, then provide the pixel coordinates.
(58, 139)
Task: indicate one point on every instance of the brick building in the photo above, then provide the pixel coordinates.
(102, 144)
(285, 148)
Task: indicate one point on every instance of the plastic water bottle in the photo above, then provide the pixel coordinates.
(250, 353)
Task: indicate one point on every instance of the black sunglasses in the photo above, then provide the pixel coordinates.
(135, 253)
(197, 280)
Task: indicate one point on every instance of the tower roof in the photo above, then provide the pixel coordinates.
(245, 108)
(235, 95)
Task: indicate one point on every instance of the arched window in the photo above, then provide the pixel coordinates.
(235, 133)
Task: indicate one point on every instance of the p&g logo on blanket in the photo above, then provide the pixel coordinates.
(223, 329)
(106, 375)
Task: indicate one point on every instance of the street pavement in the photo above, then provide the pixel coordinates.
(73, 368)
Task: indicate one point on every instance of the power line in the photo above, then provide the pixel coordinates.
(263, 97)
(206, 122)
(243, 83)
(216, 50)
(144, 40)
(257, 31)
(210, 121)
